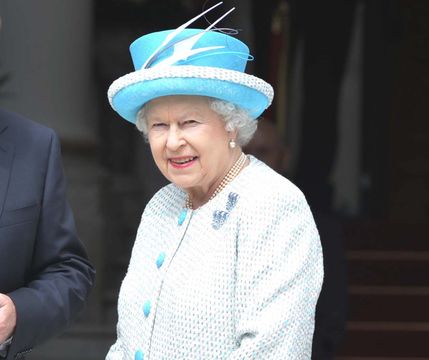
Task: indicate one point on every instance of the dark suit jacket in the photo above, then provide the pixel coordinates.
(43, 265)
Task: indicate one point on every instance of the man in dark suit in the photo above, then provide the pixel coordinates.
(45, 276)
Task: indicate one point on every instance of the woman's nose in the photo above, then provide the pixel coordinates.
(175, 139)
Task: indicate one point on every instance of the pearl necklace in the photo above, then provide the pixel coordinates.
(232, 173)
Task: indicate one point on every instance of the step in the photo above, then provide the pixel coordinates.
(388, 303)
(385, 235)
(378, 358)
(386, 255)
(369, 267)
(83, 342)
(386, 339)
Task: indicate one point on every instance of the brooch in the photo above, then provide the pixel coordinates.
(220, 216)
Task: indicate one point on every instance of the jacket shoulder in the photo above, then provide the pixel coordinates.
(18, 125)
(263, 184)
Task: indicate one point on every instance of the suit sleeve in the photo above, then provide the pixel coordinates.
(60, 276)
(279, 276)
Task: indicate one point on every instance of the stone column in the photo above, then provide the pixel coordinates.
(45, 46)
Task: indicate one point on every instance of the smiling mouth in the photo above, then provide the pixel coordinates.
(183, 161)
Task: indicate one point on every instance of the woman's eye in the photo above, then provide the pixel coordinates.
(190, 122)
(158, 125)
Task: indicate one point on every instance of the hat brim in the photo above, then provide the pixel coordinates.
(129, 93)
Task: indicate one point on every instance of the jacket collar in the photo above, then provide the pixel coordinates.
(3, 128)
(6, 157)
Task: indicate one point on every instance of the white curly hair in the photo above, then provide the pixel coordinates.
(235, 118)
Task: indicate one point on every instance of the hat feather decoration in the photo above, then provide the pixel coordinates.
(185, 61)
(183, 48)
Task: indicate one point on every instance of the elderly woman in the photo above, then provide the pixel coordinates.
(227, 262)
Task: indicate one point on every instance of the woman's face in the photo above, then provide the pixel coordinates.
(189, 142)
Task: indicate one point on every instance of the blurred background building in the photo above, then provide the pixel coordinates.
(349, 121)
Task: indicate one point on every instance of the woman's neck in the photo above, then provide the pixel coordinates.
(197, 197)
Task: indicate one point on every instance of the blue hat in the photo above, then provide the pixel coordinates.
(189, 62)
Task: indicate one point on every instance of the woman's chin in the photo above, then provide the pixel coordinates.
(185, 184)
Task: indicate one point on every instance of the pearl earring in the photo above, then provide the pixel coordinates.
(232, 144)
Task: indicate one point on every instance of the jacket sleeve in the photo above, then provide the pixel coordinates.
(115, 351)
(60, 276)
(278, 279)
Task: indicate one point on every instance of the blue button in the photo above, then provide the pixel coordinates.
(146, 308)
(182, 216)
(139, 355)
(160, 260)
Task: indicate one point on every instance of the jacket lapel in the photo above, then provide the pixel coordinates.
(6, 157)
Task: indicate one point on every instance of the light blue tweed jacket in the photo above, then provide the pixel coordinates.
(237, 278)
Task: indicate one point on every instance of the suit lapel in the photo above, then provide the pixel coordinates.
(6, 156)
